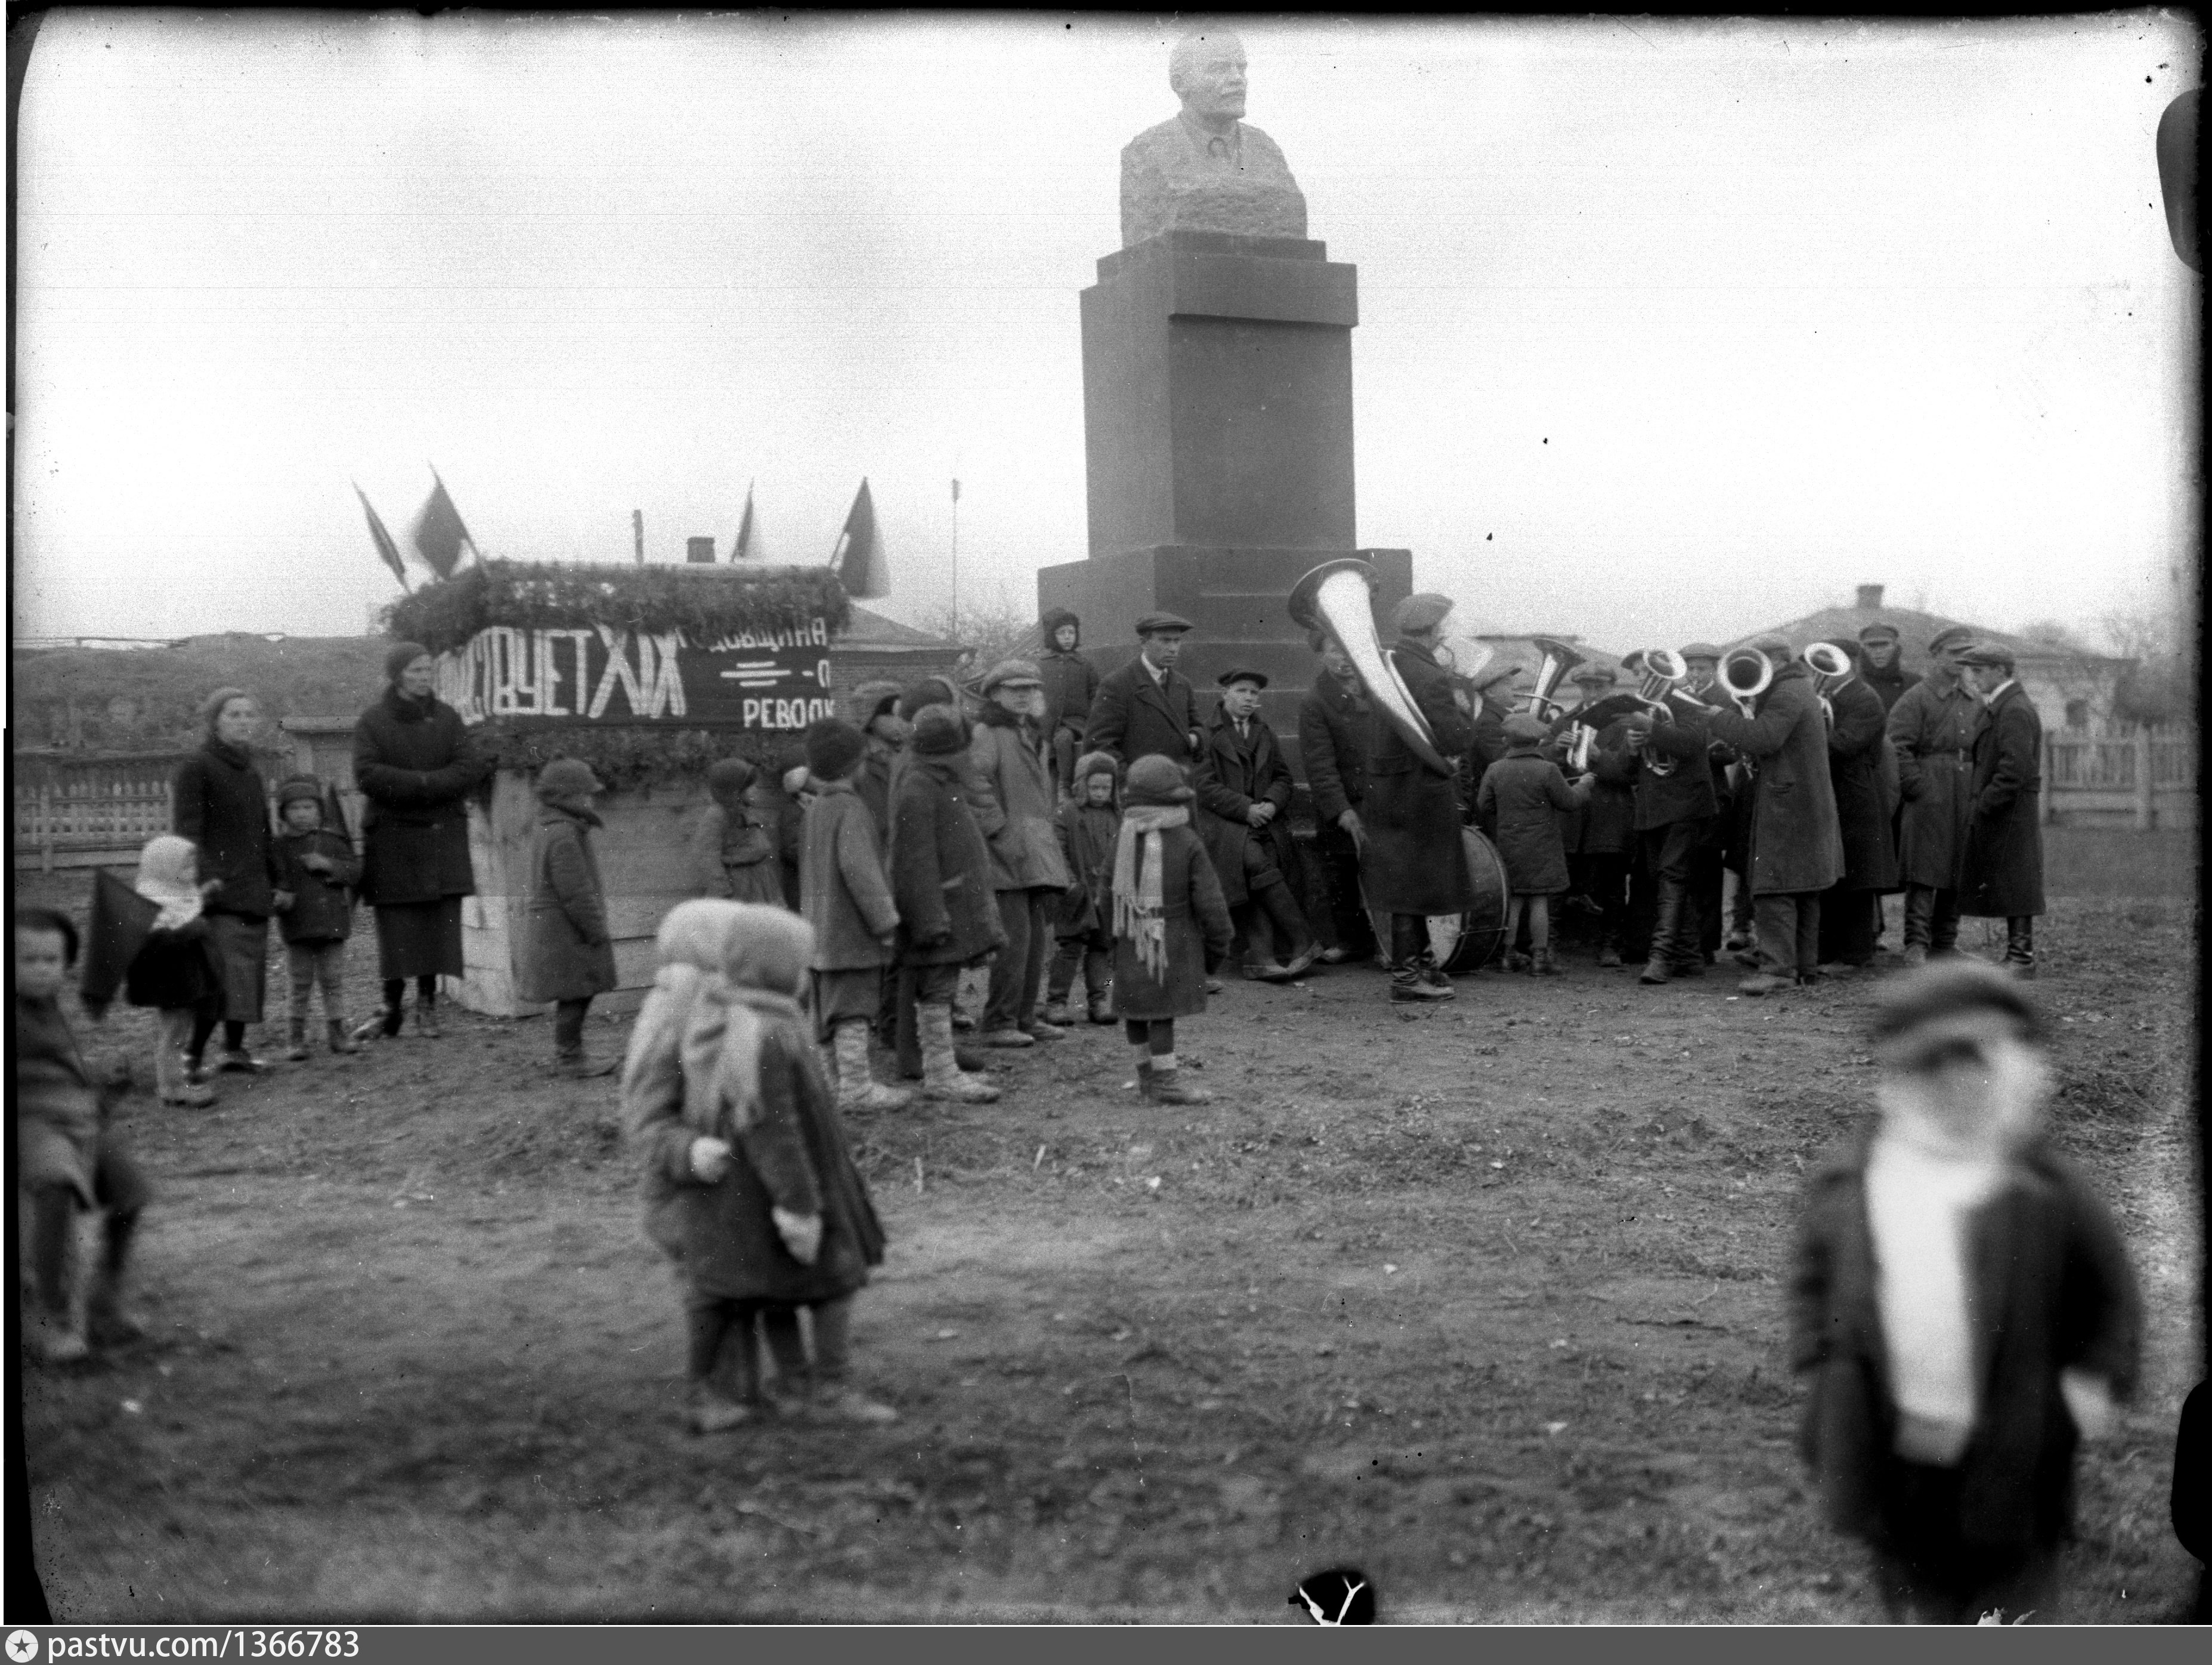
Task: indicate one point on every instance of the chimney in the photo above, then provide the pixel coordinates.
(1870, 598)
(700, 552)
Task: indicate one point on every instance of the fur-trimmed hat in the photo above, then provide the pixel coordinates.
(930, 690)
(1423, 611)
(564, 779)
(1096, 763)
(834, 747)
(1156, 779)
(1050, 624)
(300, 786)
(727, 776)
(871, 699)
(938, 731)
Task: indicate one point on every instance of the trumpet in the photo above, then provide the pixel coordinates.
(1558, 660)
(1831, 667)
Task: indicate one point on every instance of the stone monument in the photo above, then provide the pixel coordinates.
(1217, 399)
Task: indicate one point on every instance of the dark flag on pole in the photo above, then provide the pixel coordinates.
(121, 920)
(384, 546)
(439, 537)
(748, 544)
(859, 557)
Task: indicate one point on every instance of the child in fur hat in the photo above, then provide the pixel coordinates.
(1521, 798)
(1966, 1307)
(319, 869)
(749, 1186)
(1090, 822)
(1171, 925)
(732, 850)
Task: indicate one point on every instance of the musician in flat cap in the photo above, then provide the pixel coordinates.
(1244, 789)
(1931, 729)
(1796, 850)
(1666, 764)
(2000, 873)
(1148, 708)
(1336, 741)
(1881, 662)
(1414, 863)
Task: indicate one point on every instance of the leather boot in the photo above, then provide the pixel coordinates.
(1409, 950)
(1166, 1087)
(295, 1036)
(1658, 968)
(943, 1081)
(2020, 946)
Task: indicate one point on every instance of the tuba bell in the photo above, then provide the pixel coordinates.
(1338, 597)
(1831, 666)
(1558, 660)
(1745, 675)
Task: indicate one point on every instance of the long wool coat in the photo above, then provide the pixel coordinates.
(322, 904)
(566, 953)
(733, 856)
(2048, 1282)
(1931, 729)
(1232, 775)
(1070, 681)
(1088, 832)
(1795, 846)
(794, 1156)
(414, 763)
(1864, 805)
(1684, 793)
(1521, 798)
(1133, 717)
(220, 803)
(1199, 933)
(2000, 877)
(940, 871)
(843, 890)
(1412, 862)
(1336, 738)
(1011, 781)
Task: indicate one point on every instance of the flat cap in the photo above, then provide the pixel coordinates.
(1491, 675)
(1880, 630)
(1161, 623)
(1593, 672)
(1950, 636)
(1988, 653)
(1776, 648)
(1012, 673)
(1701, 651)
(1423, 611)
(1522, 730)
(1915, 1010)
(298, 787)
(1230, 678)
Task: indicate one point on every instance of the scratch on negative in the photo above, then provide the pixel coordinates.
(1135, 1450)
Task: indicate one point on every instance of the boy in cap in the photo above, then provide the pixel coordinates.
(1089, 822)
(847, 899)
(1147, 707)
(1520, 801)
(1013, 804)
(1966, 1307)
(1881, 662)
(568, 954)
(317, 868)
(1170, 926)
(2001, 874)
(875, 708)
(1244, 791)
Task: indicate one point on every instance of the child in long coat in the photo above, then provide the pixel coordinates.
(732, 850)
(749, 1186)
(1965, 1305)
(847, 899)
(1171, 927)
(316, 866)
(178, 971)
(1521, 798)
(568, 955)
(1089, 825)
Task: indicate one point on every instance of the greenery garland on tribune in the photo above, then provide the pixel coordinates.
(706, 604)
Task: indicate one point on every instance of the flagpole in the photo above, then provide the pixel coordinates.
(956, 545)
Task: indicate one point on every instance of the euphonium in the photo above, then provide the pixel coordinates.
(1338, 597)
(1558, 660)
(1663, 671)
(1830, 666)
(1745, 675)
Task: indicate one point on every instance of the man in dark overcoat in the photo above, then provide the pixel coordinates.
(1931, 729)
(1336, 736)
(1070, 683)
(1796, 852)
(1709, 859)
(1851, 910)
(1414, 862)
(1667, 766)
(1244, 789)
(2000, 877)
(1601, 838)
(1148, 708)
(1881, 662)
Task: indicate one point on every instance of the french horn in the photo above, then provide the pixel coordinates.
(1338, 597)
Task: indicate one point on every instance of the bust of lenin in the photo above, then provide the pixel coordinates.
(1205, 169)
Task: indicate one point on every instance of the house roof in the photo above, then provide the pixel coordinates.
(1914, 629)
(871, 631)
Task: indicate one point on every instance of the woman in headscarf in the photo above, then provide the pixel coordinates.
(222, 804)
(413, 761)
(749, 1186)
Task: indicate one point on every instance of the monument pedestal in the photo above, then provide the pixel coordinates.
(1217, 403)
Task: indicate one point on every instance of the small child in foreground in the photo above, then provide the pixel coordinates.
(749, 1186)
(70, 1159)
(176, 971)
(1171, 925)
(317, 868)
(1089, 826)
(1966, 1306)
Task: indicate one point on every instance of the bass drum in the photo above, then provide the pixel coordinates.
(1466, 942)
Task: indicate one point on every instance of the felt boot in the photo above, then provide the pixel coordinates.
(340, 1040)
(857, 1089)
(942, 1078)
(1165, 1085)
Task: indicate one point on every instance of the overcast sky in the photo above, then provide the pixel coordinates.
(1666, 330)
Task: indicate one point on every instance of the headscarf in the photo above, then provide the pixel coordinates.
(211, 713)
(730, 974)
(401, 656)
(166, 867)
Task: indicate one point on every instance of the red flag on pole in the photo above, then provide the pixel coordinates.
(384, 546)
(439, 535)
(859, 557)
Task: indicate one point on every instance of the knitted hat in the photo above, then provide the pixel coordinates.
(833, 747)
(930, 690)
(873, 699)
(566, 779)
(211, 707)
(727, 776)
(1422, 612)
(1096, 763)
(1522, 730)
(300, 786)
(1156, 779)
(1879, 631)
(1012, 673)
(400, 656)
(1915, 1013)
(938, 731)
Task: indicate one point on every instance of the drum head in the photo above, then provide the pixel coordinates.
(1466, 942)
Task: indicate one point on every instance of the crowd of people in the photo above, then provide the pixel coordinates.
(1050, 826)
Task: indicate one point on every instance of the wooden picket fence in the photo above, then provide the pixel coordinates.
(2143, 776)
(98, 812)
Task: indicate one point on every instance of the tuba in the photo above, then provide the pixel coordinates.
(1831, 666)
(1558, 660)
(1338, 597)
(1745, 675)
(1663, 672)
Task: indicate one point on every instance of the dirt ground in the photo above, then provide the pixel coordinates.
(1485, 1302)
